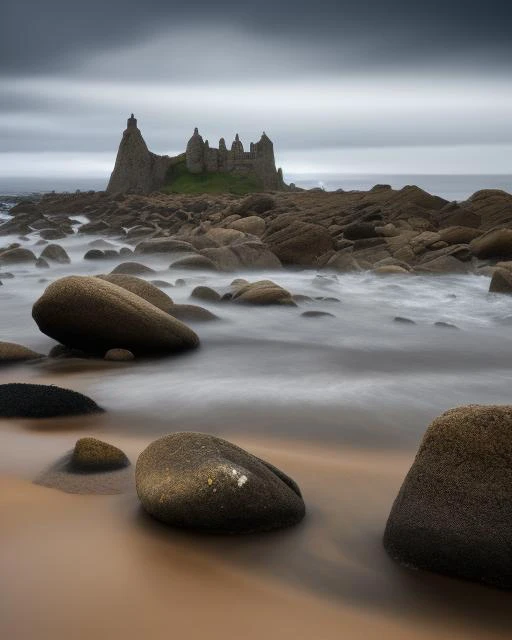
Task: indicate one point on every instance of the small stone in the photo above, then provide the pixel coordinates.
(91, 455)
(119, 355)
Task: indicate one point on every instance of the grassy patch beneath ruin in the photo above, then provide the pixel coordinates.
(180, 180)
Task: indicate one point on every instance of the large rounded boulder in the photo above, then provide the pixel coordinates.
(202, 482)
(94, 315)
(141, 288)
(493, 244)
(18, 400)
(453, 514)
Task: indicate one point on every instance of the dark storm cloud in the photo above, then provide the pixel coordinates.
(56, 34)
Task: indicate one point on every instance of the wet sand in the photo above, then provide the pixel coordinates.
(98, 567)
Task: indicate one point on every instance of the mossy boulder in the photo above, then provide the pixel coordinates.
(91, 454)
(19, 400)
(202, 482)
(453, 513)
(94, 315)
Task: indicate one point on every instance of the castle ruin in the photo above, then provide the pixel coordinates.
(139, 170)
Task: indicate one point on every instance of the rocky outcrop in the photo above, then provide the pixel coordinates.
(201, 482)
(454, 509)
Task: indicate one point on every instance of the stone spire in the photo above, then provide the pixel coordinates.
(237, 145)
(195, 153)
(132, 122)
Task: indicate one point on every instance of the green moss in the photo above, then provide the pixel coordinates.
(180, 180)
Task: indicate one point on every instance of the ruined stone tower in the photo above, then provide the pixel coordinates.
(138, 170)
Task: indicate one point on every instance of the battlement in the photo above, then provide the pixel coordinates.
(137, 169)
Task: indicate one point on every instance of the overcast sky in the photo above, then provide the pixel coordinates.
(362, 86)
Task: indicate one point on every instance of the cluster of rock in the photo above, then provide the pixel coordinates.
(388, 231)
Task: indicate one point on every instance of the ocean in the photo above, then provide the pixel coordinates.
(449, 186)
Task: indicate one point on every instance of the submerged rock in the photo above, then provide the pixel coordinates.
(206, 294)
(90, 455)
(453, 513)
(203, 482)
(91, 314)
(317, 314)
(55, 253)
(19, 400)
(12, 352)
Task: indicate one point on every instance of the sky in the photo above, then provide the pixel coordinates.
(366, 86)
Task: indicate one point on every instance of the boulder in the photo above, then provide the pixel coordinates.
(454, 509)
(119, 355)
(133, 269)
(501, 281)
(55, 253)
(252, 224)
(17, 255)
(42, 401)
(202, 482)
(443, 264)
(94, 254)
(255, 203)
(194, 262)
(223, 237)
(263, 292)
(52, 234)
(297, 243)
(191, 313)
(42, 264)
(206, 294)
(390, 269)
(493, 244)
(140, 288)
(163, 245)
(11, 352)
(360, 230)
(459, 235)
(91, 455)
(94, 315)
(317, 314)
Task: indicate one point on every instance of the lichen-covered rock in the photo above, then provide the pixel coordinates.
(91, 454)
(454, 509)
(92, 314)
(12, 352)
(198, 481)
(19, 400)
(140, 288)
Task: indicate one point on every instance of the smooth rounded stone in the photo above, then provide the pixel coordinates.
(91, 454)
(163, 284)
(62, 475)
(125, 251)
(501, 281)
(459, 235)
(253, 225)
(180, 282)
(317, 314)
(12, 352)
(327, 299)
(194, 262)
(206, 294)
(263, 292)
(238, 282)
(42, 264)
(141, 288)
(132, 269)
(300, 297)
(52, 234)
(19, 400)
(493, 244)
(202, 482)
(5, 275)
(445, 325)
(94, 254)
(191, 313)
(454, 509)
(111, 253)
(402, 320)
(255, 203)
(390, 269)
(55, 253)
(92, 314)
(119, 355)
(163, 245)
(100, 244)
(18, 255)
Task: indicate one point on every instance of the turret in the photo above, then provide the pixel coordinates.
(237, 145)
(222, 145)
(132, 122)
(195, 153)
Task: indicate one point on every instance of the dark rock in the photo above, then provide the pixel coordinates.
(198, 481)
(317, 314)
(42, 264)
(17, 255)
(42, 401)
(501, 281)
(140, 288)
(359, 231)
(453, 512)
(91, 455)
(403, 320)
(55, 253)
(119, 355)
(94, 254)
(493, 244)
(445, 325)
(163, 284)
